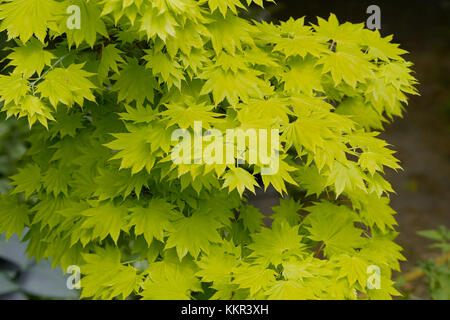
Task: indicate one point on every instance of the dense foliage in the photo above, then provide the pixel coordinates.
(98, 188)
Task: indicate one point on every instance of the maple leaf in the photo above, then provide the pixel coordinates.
(133, 149)
(30, 57)
(311, 179)
(240, 179)
(333, 225)
(290, 290)
(184, 116)
(229, 33)
(346, 33)
(23, 18)
(105, 276)
(90, 24)
(353, 268)
(360, 112)
(103, 220)
(299, 41)
(347, 64)
(193, 234)
(375, 210)
(276, 244)
(254, 277)
(140, 114)
(13, 216)
(348, 177)
(251, 217)
(56, 181)
(111, 57)
(170, 280)
(233, 86)
(67, 85)
(382, 250)
(134, 82)
(28, 180)
(169, 70)
(287, 210)
(13, 88)
(33, 108)
(155, 22)
(381, 48)
(303, 76)
(218, 265)
(152, 221)
(66, 123)
(278, 179)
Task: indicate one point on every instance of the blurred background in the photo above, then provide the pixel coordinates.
(422, 139)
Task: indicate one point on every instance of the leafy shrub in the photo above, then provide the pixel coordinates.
(438, 272)
(99, 189)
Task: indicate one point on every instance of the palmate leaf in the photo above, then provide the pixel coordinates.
(171, 280)
(290, 290)
(310, 179)
(13, 88)
(105, 276)
(278, 180)
(30, 57)
(219, 264)
(252, 218)
(111, 57)
(156, 23)
(184, 116)
(105, 219)
(134, 83)
(169, 71)
(375, 211)
(67, 85)
(381, 48)
(13, 216)
(288, 211)
(109, 184)
(304, 76)
(348, 178)
(333, 225)
(134, 149)
(299, 41)
(230, 33)
(23, 18)
(193, 234)
(346, 34)
(91, 24)
(353, 268)
(152, 221)
(234, 86)
(253, 277)
(33, 108)
(240, 179)
(28, 180)
(347, 64)
(276, 244)
(56, 181)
